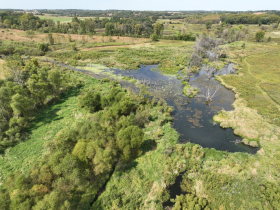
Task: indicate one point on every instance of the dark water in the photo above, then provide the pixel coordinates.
(192, 116)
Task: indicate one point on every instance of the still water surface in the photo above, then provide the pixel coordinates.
(193, 117)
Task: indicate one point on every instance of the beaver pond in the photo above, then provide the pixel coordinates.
(193, 117)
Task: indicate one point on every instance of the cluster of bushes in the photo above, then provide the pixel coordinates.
(26, 88)
(23, 48)
(250, 18)
(82, 158)
(184, 37)
(232, 34)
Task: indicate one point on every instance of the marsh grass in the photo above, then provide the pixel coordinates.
(171, 58)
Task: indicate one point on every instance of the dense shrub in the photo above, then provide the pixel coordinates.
(23, 92)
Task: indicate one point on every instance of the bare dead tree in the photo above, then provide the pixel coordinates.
(209, 92)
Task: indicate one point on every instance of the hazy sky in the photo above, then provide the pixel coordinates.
(231, 5)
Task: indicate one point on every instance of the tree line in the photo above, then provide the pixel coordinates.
(27, 88)
(250, 18)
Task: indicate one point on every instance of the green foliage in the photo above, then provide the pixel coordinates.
(109, 29)
(189, 91)
(259, 35)
(269, 39)
(129, 141)
(82, 157)
(243, 46)
(90, 101)
(73, 47)
(43, 47)
(208, 24)
(271, 193)
(32, 87)
(250, 18)
(190, 202)
(51, 39)
(154, 37)
(158, 29)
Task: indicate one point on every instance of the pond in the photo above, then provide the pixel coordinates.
(193, 117)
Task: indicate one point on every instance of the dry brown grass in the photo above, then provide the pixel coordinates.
(118, 46)
(199, 189)
(18, 35)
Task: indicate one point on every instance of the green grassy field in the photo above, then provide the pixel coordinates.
(172, 55)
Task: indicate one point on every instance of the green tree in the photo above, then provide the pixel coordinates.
(21, 105)
(154, 37)
(75, 26)
(50, 38)
(158, 29)
(90, 101)
(14, 66)
(24, 20)
(43, 47)
(129, 141)
(109, 29)
(75, 19)
(38, 87)
(259, 35)
(208, 24)
(79, 150)
(55, 80)
(5, 108)
(138, 29)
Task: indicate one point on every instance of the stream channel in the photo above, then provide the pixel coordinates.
(193, 117)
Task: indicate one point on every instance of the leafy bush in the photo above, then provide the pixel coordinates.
(154, 37)
(43, 47)
(259, 35)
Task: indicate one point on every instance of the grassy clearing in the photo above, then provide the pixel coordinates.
(256, 118)
(49, 121)
(24, 155)
(172, 56)
(258, 71)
